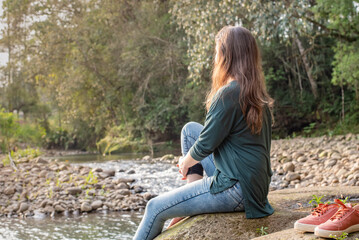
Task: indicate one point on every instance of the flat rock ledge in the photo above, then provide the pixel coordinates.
(289, 205)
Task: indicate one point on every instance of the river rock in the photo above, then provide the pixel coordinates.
(43, 203)
(23, 207)
(96, 204)
(341, 173)
(288, 167)
(335, 156)
(9, 190)
(74, 190)
(86, 207)
(125, 192)
(167, 157)
(138, 189)
(59, 208)
(97, 170)
(131, 171)
(147, 158)
(110, 172)
(147, 196)
(301, 159)
(123, 185)
(14, 207)
(291, 176)
(124, 180)
(40, 160)
(330, 163)
(49, 209)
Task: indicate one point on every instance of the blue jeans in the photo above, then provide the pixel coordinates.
(192, 199)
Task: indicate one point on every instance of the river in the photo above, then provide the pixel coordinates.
(154, 177)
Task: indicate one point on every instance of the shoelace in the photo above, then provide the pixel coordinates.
(342, 210)
(321, 209)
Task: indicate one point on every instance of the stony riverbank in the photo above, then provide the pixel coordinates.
(312, 162)
(54, 187)
(40, 186)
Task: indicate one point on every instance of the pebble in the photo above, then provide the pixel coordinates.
(74, 190)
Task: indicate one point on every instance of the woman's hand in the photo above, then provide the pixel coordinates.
(184, 164)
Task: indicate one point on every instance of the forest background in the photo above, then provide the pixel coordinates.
(126, 75)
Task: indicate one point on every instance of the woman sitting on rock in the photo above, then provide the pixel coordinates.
(233, 146)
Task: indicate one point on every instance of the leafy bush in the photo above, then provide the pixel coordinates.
(59, 138)
(31, 134)
(8, 129)
(118, 140)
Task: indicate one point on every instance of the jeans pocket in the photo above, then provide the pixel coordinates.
(239, 207)
(236, 192)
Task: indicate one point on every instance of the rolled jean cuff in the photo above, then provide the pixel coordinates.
(196, 169)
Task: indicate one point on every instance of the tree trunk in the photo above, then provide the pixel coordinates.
(308, 68)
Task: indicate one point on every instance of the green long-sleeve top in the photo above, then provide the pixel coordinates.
(239, 155)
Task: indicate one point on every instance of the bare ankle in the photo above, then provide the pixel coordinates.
(193, 177)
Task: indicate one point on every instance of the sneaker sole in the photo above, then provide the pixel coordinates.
(304, 227)
(326, 233)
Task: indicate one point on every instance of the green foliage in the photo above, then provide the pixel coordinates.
(90, 179)
(59, 138)
(117, 139)
(31, 134)
(344, 201)
(262, 231)
(315, 201)
(8, 129)
(341, 237)
(144, 67)
(345, 71)
(309, 128)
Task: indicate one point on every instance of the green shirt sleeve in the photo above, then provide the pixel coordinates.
(217, 126)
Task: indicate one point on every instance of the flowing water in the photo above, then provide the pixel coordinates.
(154, 177)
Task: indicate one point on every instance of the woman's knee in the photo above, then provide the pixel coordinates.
(190, 126)
(152, 205)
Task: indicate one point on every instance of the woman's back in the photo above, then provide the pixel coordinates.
(238, 154)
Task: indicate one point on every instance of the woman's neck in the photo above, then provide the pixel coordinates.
(229, 80)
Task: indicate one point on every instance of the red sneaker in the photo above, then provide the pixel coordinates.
(319, 215)
(345, 220)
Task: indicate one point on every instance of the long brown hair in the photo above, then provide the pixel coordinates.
(238, 58)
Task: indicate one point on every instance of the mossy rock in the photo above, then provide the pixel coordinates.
(289, 205)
